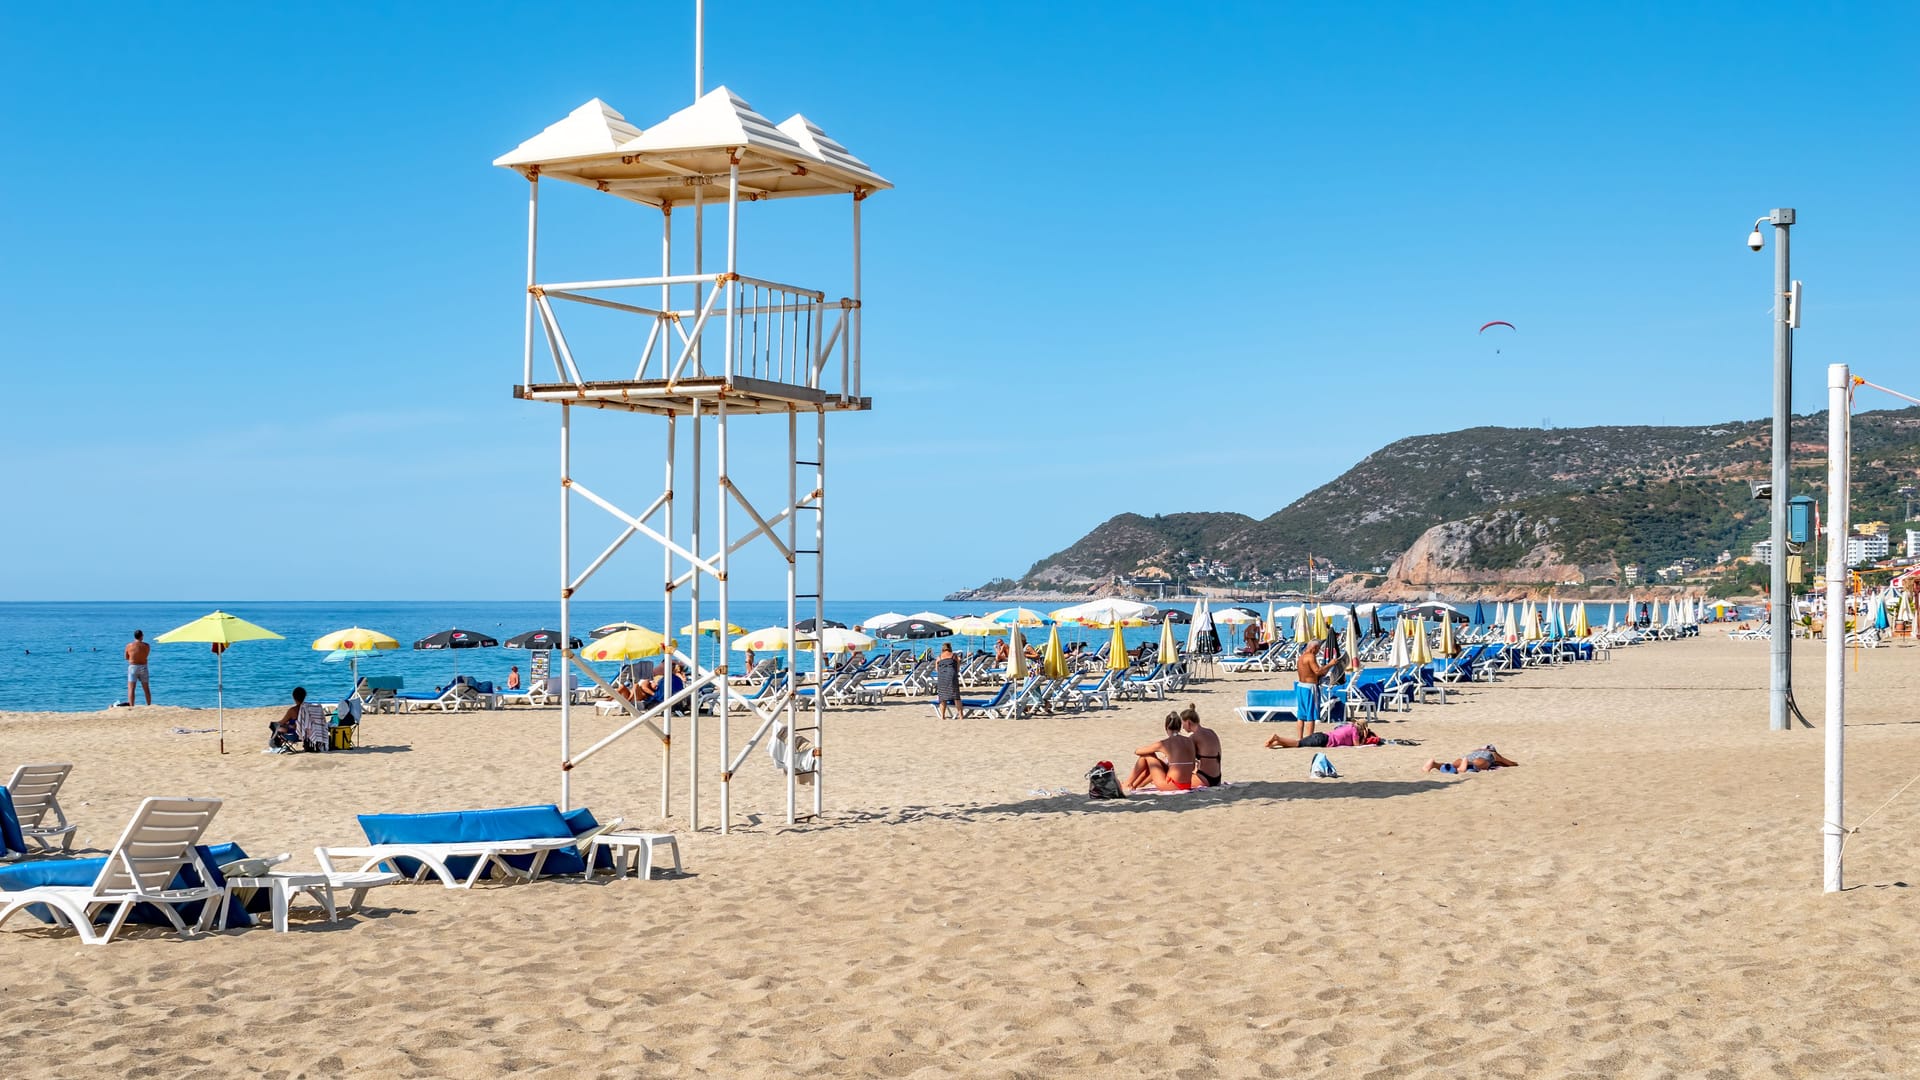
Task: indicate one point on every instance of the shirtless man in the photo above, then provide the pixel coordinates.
(1308, 670)
(1206, 748)
(1165, 764)
(136, 653)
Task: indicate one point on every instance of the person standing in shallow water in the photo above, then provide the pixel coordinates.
(136, 653)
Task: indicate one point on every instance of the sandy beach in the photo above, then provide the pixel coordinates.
(1640, 898)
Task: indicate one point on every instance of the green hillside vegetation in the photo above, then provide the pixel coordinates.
(1645, 495)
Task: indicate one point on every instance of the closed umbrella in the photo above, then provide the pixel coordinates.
(1399, 655)
(1581, 627)
(1016, 665)
(1053, 662)
(219, 630)
(1512, 634)
(1353, 642)
(1117, 650)
(1448, 648)
(1169, 650)
(1479, 614)
(1421, 652)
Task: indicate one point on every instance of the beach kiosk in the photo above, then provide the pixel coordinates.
(686, 354)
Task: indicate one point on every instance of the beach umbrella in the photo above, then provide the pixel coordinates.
(350, 644)
(1479, 614)
(1053, 662)
(1106, 611)
(539, 639)
(456, 639)
(1302, 625)
(1904, 612)
(1234, 616)
(620, 645)
(932, 616)
(1172, 615)
(885, 618)
(1020, 616)
(220, 630)
(1512, 634)
(1398, 655)
(613, 628)
(1271, 631)
(1421, 652)
(704, 626)
(1352, 648)
(806, 626)
(912, 630)
(1198, 630)
(1447, 646)
(1581, 628)
(767, 639)
(836, 639)
(1880, 610)
(1117, 651)
(1016, 664)
(1169, 649)
(975, 626)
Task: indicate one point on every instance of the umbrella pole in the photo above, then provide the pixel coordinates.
(220, 695)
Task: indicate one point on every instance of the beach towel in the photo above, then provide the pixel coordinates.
(1323, 768)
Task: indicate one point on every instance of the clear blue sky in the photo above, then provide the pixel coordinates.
(262, 287)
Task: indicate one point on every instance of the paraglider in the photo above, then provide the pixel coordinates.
(1497, 322)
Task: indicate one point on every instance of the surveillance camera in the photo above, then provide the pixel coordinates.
(1755, 241)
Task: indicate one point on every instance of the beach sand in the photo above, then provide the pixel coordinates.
(1640, 898)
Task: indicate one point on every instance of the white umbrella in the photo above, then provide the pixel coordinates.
(932, 617)
(1235, 616)
(835, 639)
(1398, 657)
(1106, 611)
(1512, 629)
(885, 618)
(1202, 622)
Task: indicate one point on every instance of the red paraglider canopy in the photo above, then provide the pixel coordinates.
(1500, 322)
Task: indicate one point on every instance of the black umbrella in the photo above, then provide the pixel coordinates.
(1172, 615)
(912, 630)
(539, 639)
(456, 639)
(807, 626)
(1375, 616)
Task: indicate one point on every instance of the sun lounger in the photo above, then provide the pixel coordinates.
(1000, 704)
(145, 866)
(35, 791)
(466, 847)
(451, 698)
(1267, 706)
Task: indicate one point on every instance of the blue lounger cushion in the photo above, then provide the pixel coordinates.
(84, 872)
(470, 826)
(12, 840)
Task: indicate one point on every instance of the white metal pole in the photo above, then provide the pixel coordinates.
(1839, 420)
(1780, 647)
(793, 580)
(566, 609)
(533, 233)
(721, 499)
(666, 291)
(858, 198)
(666, 622)
(699, 268)
(699, 47)
(733, 255)
(693, 608)
(820, 603)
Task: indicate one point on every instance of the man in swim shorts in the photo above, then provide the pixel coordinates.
(136, 653)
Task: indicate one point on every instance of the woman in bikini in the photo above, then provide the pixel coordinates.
(1165, 764)
(1480, 760)
(1206, 747)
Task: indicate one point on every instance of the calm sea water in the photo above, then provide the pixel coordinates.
(67, 657)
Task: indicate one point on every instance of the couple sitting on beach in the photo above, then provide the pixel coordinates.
(1186, 758)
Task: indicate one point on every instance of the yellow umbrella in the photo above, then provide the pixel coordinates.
(625, 645)
(353, 641)
(1053, 662)
(1169, 648)
(768, 639)
(1422, 652)
(975, 626)
(1117, 651)
(220, 630)
(1448, 648)
(1580, 627)
(1302, 624)
(710, 626)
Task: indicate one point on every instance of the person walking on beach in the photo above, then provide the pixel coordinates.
(136, 652)
(946, 681)
(1206, 748)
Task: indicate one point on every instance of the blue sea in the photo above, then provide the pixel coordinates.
(66, 657)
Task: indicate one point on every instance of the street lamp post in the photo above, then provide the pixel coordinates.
(1779, 686)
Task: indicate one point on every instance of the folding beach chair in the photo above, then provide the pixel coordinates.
(35, 790)
(159, 843)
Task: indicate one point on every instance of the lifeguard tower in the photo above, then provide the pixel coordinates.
(714, 348)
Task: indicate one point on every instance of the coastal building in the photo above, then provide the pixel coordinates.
(1631, 572)
(1913, 541)
(1763, 553)
(1865, 549)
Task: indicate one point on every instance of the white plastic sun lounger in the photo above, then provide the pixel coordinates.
(35, 790)
(433, 857)
(158, 844)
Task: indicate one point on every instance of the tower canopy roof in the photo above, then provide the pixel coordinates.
(666, 163)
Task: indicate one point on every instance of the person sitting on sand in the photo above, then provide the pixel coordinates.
(1206, 748)
(1484, 759)
(1000, 652)
(1250, 640)
(1166, 764)
(1349, 734)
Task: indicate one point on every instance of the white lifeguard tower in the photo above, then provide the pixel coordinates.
(711, 347)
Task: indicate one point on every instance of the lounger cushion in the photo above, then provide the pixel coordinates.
(84, 872)
(475, 826)
(11, 839)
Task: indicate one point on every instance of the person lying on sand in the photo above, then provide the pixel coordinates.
(1348, 734)
(1165, 764)
(1482, 760)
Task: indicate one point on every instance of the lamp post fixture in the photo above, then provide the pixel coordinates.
(1786, 317)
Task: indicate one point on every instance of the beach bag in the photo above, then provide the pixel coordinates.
(343, 737)
(1322, 768)
(1102, 784)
